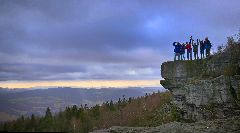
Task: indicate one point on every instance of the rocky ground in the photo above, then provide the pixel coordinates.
(230, 125)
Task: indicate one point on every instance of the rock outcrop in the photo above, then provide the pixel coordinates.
(205, 92)
(204, 89)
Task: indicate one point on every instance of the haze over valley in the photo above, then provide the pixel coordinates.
(17, 102)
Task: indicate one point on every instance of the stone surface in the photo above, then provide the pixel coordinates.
(204, 89)
(230, 125)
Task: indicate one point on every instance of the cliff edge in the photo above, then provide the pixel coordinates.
(205, 89)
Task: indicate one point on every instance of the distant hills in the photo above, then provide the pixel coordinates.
(148, 110)
(17, 102)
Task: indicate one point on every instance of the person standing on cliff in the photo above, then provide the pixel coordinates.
(202, 48)
(183, 51)
(208, 46)
(177, 50)
(195, 49)
(191, 40)
(189, 51)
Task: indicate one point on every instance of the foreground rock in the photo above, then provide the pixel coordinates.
(230, 125)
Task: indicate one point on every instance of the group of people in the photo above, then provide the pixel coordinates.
(192, 46)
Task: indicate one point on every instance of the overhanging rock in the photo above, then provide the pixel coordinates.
(201, 89)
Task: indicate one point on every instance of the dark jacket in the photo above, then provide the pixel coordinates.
(202, 46)
(207, 44)
(183, 49)
(177, 48)
(195, 47)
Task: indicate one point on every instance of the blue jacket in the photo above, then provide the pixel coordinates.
(177, 48)
(208, 45)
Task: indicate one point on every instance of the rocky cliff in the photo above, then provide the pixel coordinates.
(205, 92)
(204, 89)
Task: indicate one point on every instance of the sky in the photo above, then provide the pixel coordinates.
(61, 41)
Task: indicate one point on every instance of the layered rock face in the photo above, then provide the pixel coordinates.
(204, 89)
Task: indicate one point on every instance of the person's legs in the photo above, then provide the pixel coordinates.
(175, 54)
(203, 54)
(191, 55)
(178, 56)
(187, 54)
(197, 54)
(200, 54)
(207, 52)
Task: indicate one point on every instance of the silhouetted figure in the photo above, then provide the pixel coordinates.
(202, 48)
(183, 51)
(191, 41)
(189, 51)
(177, 50)
(208, 46)
(86, 107)
(195, 49)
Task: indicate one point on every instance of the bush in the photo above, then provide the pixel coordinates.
(231, 70)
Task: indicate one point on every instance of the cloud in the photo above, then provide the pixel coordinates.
(71, 39)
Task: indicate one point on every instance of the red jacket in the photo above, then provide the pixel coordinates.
(188, 47)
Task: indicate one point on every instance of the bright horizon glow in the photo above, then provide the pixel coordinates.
(77, 83)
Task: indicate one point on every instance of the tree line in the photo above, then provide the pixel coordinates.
(124, 112)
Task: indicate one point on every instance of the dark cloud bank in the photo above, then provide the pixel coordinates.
(51, 40)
